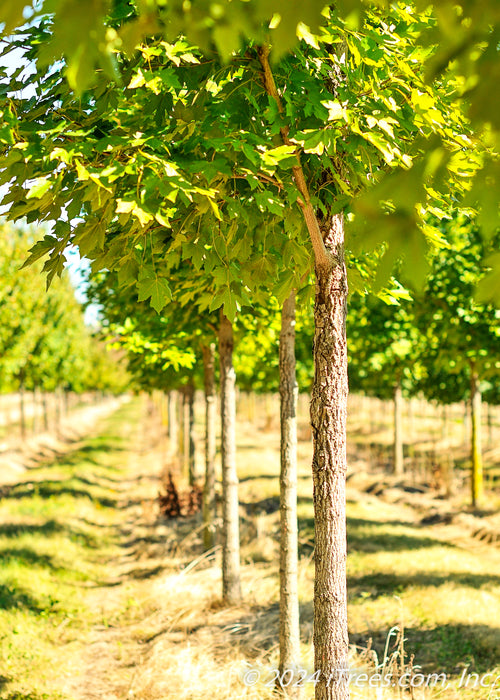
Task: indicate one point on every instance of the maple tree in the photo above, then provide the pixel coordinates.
(246, 168)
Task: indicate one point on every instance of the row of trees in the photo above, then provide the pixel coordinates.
(427, 344)
(222, 181)
(45, 345)
(442, 342)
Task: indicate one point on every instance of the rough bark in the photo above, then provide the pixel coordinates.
(398, 430)
(209, 505)
(328, 419)
(289, 634)
(476, 449)
(231, 585)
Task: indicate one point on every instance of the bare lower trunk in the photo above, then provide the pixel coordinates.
(189, 440)
(22, 410)
(231, 586)
(45, 411)
(398, 430)
(58, 401)
(476, 450)
(34, 415)
(328, 419)
(185, 434)
(467, 427)
(289, 636)
(209, 511)
(173, 424)
(490, 425)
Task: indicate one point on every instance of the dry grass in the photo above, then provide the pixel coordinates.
(157, 629)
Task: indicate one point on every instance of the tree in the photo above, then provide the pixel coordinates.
(355, 105)
(461, 332)
(384, 350)
(45, 345)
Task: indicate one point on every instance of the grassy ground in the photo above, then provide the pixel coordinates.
(56, 541)
(103, 599)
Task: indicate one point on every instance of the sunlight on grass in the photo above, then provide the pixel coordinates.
(53, 543)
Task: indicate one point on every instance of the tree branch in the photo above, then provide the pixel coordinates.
(321, 255)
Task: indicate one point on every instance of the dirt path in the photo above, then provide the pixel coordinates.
(17, 455)
(113, 649)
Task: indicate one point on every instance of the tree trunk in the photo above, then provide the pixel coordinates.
(173, 425)
(209, 506)
(476, 451)
(466, 420)
(45, 411)
(58, 401)
(34, 409)
(185, 433)
(289, 635)
(22, 410)
(191, 463)
(328, 419)
(490, 425)
(398, 430)
(231, 586)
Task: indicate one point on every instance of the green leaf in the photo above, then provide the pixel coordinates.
(39, 188)
(40, 249)
(157, 288)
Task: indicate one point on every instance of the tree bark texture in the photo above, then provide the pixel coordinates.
(209, 505)
(289, 634)
(328, 420)
(398, 430)
(476, 448)
(231, 585)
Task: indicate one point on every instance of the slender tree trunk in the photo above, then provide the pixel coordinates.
(231, 585)
(328, 419)
(490, 425)
(22, 410)
(466, 420)
(45, 411)
(289, 636)
(476, 451)
(185, 433)
(209, 506)
(173, 423)
(58, 401)
(398, 430)
(169, 414)
(34, 414)
(191, 462)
